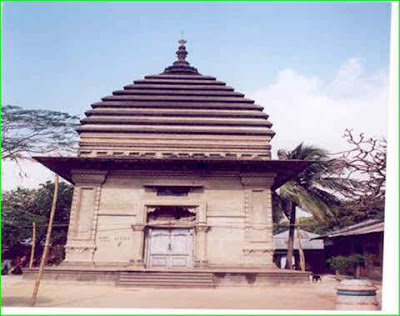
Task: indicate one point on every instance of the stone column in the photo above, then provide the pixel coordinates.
(201, 245)
(259, 248)
(82, 229)
(138, 245)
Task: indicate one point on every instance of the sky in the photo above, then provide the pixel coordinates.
(317, 68)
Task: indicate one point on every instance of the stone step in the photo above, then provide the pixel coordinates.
(182, 277)
(174, 274)
(165, 279)
(178, 276)
(139, 280)
(172, 285)
(167, 273)
(169, 281)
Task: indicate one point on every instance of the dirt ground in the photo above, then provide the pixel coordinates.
(313, 296)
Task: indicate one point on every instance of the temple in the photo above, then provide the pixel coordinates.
(174, 173)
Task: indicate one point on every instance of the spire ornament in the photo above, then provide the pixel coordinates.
(181, 66)
(182, 52)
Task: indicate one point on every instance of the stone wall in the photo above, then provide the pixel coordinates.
(109, 216)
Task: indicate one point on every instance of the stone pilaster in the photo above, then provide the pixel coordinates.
(258, 249)
(82, 230)
(201, 246)
(138, 245)
(201, 214)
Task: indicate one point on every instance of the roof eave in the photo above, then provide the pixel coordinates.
(284, 170)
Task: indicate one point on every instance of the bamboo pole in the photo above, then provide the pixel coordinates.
(47, 242)
(33, 245)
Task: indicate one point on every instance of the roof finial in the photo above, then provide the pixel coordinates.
(182, 52)
(181, 66)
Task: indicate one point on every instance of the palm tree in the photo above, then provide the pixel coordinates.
(307, 190)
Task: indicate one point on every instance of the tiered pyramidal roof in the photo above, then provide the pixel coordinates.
(178, 113)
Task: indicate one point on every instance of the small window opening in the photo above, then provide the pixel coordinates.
(173, 191)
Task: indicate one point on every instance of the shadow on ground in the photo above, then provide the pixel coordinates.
(78, 300)
(22, 301)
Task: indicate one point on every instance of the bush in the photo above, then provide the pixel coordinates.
(357, 258)
(341, 263)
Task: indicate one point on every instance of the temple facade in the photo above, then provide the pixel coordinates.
(174, 172)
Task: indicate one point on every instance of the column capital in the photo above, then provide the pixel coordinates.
(202, 228)
(138, 227)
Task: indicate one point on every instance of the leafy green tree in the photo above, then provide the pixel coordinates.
(21, 207)
(309, 190)
(28, 132)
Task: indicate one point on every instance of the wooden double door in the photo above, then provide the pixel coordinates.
(169, 248)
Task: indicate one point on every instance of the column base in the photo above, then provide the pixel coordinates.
(201, 264)
(139, 263)
(79, 252)
(76, 264)
(258, 257)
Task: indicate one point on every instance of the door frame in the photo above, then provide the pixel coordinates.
(147, 247)
(199, 233)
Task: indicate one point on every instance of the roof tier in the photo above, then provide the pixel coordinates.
(177, 113)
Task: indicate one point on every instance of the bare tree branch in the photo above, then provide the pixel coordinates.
(28, 132)
(362, 170)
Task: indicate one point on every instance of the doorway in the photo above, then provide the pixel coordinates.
(169, 248)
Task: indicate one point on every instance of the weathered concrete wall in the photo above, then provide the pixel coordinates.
(233, 217)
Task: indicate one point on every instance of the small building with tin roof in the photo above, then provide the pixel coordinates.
(365, 238)
(313, 250)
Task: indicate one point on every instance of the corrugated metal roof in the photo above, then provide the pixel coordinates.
(366, 227)
(281, 239)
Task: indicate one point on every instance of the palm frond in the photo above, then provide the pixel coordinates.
(310, 188)
(312, 203)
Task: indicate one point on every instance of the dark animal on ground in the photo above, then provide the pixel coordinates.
(316, 278)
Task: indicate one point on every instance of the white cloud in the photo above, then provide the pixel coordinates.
(307, 108)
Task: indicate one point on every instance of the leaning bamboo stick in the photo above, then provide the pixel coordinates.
(33, 244)
(47, 242)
